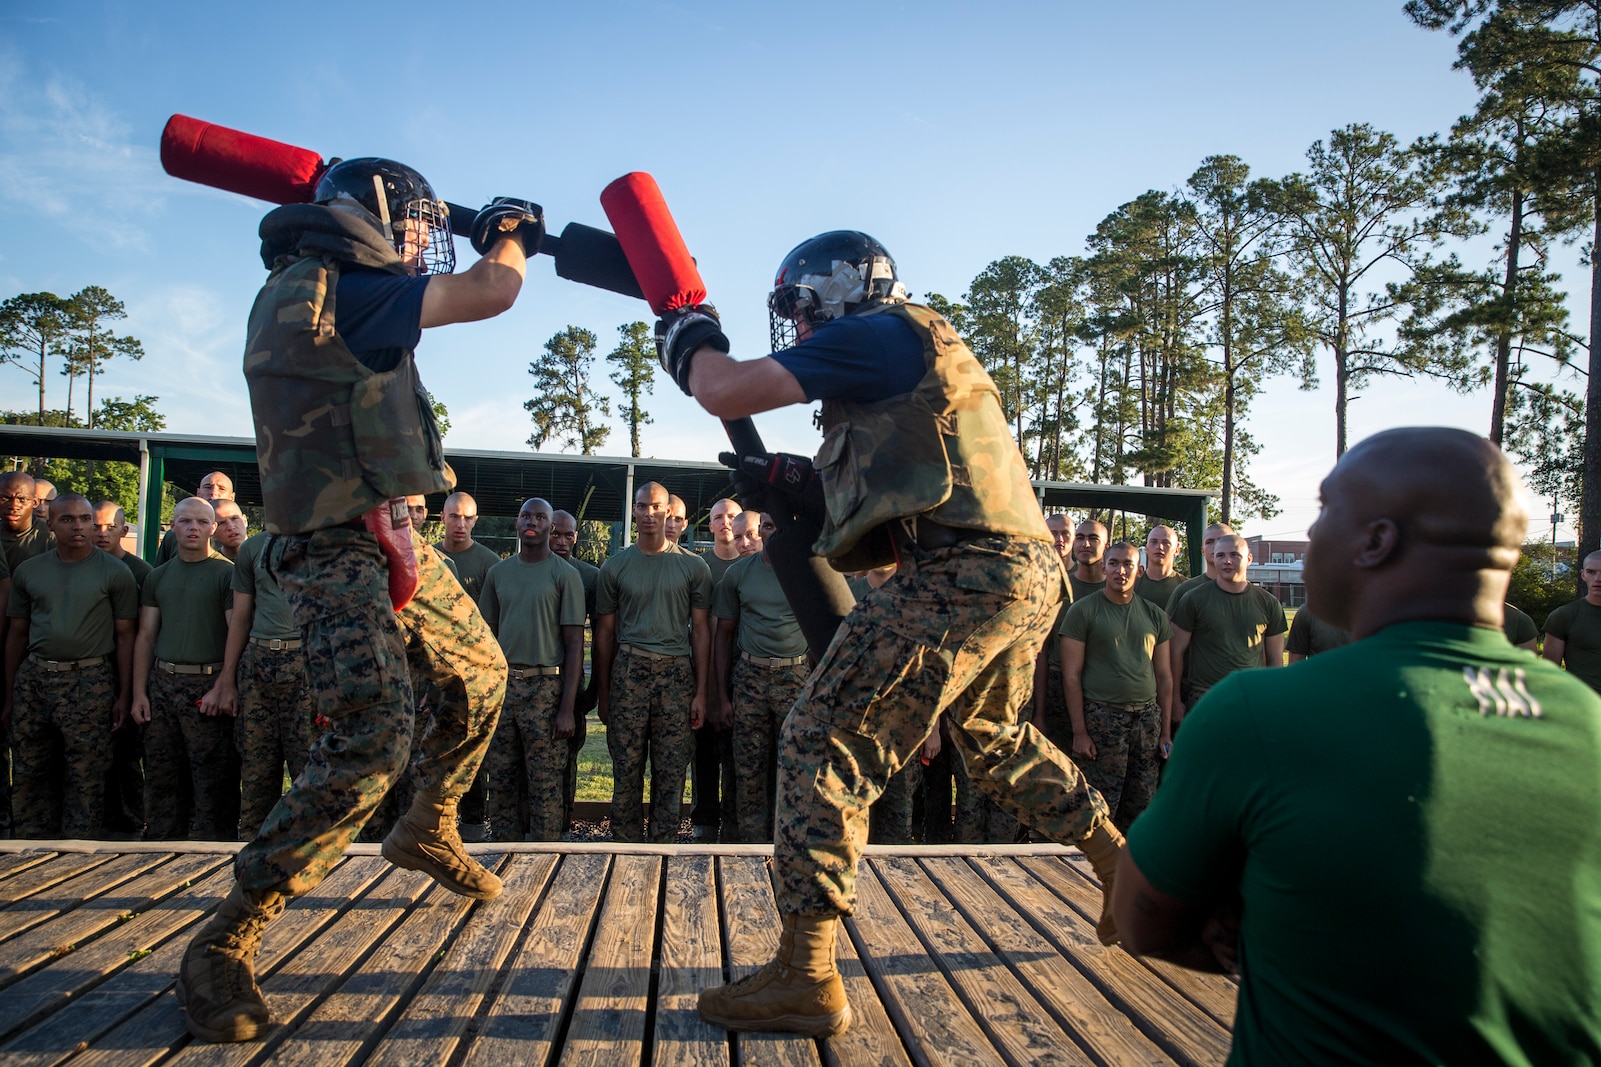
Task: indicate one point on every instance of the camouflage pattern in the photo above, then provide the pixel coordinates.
(1127, 763)
(1057, 725)
(69, 712)
(762, 698)
(356, 669)
(958, 632)
(977, 819)
(191, 769)
(125, 782)
(526, 764)
(575, 745)
(274, 727)
(890, 818)
(649, 713)
(943, 450)
(334, 439)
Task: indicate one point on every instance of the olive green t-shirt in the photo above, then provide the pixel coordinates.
(1466, 775)
(34, 541)
(194, 599)
(652, 595)
(1579, 625)
(71, 607)
(1227, 630)
(141, 570)
(1311, 636)
(1053, 647)
(472, 565)
(1119, 640)
(1517, 626)
(5, 568)
(589, 575)
(1158, 591)
(719, 567)
(1182, 590)
(527, 604)
(750, 593)
(273, 619)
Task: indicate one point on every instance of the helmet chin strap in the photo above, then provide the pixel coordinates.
(383, 206)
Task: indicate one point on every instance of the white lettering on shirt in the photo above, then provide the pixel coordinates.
(1505, 694)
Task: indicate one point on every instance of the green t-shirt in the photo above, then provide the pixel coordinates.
(1053, 647)
(71, 607)
(1517, 626)
(527, 604)
(652, 595)
(1182, 590)
(5, 568)
(750, 593)
(1158, 591)
(589, 575)
(472, 565)
(272, 618)
(34, 541)
(719, 567)
(1579, 625)
(141, 570)
(1119, 640)
(1311, 636)
(1226, 630)
(193, 598)
(1411, 823)
(1082, 589)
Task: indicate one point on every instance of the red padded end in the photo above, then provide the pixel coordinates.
(652, 243)
(239, 162)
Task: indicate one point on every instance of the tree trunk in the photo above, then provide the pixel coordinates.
(1503, 343)
(1590, 499)
(1228, 446)
(43, 352)
(1341, 373)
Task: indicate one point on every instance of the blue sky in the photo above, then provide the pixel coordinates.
(955, 133)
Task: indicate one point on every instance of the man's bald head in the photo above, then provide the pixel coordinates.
(16, 500)
(460, 515)
(563, 533)
(110, 527)
(215, 486)
(44, 491)
(193, 505)
(1419, 523)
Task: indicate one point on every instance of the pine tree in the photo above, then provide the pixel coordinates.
(635, 360)
(31, 327)
(89, 344)
(565, 406)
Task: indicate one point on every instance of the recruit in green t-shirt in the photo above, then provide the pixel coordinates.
(472, 565)
(589, 574)
(652, 593)
(1411, 823)
(527, 604)
(1119, 640)
(1158, 591)
(71, 608)
(1053, 647)
(34, 541)
(194, 599)
(750, 594)
(718, 567)
(1517, 625)
(1226, 630)
(1578, 625)
(1182, 590)
(272, 619)
(1311, 636)
(141, 570)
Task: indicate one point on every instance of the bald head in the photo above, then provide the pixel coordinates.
(215, 486)
(563, 533)
(16, 500)
(110, 527)
(1420, 523)
(460, 515)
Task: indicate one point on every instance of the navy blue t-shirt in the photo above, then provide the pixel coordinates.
(379, 315)
(861, 358)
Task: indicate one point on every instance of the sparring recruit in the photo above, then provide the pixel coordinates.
(842, 720)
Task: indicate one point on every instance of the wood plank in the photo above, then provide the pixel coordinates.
(1176, 1025)
(753, 928)
(51, 988)
(354, 1014)
(1018, 1026)
(58, 940)
(1077, 1005)
(438, 1017)
(146, 1026)
(65, 896)
(871, 1041)
(319, 968)
(525, 1018)
(53, 872)
(609, 1017)
(1214, 993)
(16, 862)
(926, 1010)
(691, 960)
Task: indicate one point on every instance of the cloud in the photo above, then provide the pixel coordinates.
(66, 155)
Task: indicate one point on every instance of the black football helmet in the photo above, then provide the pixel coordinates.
(834, 274)
(408, 213)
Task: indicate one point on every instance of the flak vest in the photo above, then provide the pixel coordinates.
(334, 438)
(943, 450)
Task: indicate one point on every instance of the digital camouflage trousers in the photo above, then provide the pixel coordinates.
(65, 712)
(527, 764)
(956, 630)
(1127, 763)
(275, 727)
(191, 768)
(762, 697)
(649, 713)
(356, 670)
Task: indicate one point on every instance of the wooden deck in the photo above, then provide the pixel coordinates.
(593, 954)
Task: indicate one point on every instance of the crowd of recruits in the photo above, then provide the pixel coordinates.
(215, 708)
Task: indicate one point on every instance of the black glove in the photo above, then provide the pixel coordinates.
(680, 332)
(506, 216)
(785, 486)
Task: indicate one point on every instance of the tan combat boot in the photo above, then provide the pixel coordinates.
(800, 991)
(1102, 847)
(425, 840)
(217, 980)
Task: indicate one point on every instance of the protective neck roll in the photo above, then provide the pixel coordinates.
(341, 231)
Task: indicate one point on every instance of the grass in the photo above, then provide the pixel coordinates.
(594, 765)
